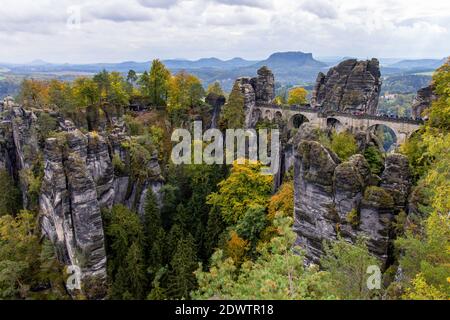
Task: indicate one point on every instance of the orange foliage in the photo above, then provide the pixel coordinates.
(236, 248)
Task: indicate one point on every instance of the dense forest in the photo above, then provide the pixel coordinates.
(217, 231)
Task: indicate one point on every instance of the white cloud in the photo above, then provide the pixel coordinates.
(143, 29)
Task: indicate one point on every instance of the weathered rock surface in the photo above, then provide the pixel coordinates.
(422, 101)
(70, 210)
(342, 198)
(256, 91)
(216, 102)
(352, 86)
(79, 180)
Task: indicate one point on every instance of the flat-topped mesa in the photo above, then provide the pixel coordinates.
(256, 91)
(352, 86)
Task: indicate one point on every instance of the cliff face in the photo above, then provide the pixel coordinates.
(343, 198)
(422, 101)
(79, 179)
(351, 86)
(256, 91)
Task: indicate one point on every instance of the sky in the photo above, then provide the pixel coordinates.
(88, 31)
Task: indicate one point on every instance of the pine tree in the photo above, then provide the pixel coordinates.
(126, 265)
(233, 115)
(183, 264)
(154, 233)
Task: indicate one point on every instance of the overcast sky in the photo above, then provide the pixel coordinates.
(140, 30)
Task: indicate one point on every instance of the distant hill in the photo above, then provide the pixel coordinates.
(288, 67)
(420, 64)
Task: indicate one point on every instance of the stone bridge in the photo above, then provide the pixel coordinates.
(296, 115)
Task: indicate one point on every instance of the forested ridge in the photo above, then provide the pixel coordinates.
(217, 231)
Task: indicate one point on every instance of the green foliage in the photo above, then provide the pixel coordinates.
(343, 144)
(439, 113)
(181, 279)
(379, 196)
(135, 127)
(154, 233)
(252, 223)
(375, 159)
(278, 273)
(185, 93)
(25, 263)
(232, 115)
(46, 124)
(297, 96)
(10, 195)
(347, 266)
(427, 254)
(158, 83)
(126, 266)
(119, 165)
(425, 260)
(215, 88)
(353, 218)
(245, 187)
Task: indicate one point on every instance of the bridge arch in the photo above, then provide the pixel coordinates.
(389, 137)
(335, 124)
(297, 120)
(257, 114)
(278, 115)
(268, 115)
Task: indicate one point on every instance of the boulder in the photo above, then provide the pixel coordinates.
(352, 86)
(422, 101)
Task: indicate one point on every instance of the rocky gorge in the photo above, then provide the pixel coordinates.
(79, 176)
(70, 174)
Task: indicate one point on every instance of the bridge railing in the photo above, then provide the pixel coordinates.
(328, 114)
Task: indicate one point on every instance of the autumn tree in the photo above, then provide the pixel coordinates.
(245, 187)
(33, 94)
(158, 85)
(297, 96)
(425, 257)
(25, 262)
(278, 273)
(215, 88)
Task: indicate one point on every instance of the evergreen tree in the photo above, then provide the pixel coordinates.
(181, 279)
(10, 196)
(154, 233)
(126, 266)
(347, 266)
(233, 116)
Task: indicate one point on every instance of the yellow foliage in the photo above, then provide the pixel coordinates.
(297, 96)
(236, 248)
(421, 290)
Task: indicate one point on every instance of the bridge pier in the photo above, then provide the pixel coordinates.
(402, 128)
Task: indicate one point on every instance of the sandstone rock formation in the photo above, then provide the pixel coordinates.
(216, 101)
(351, 86)
(79, 180)
(343, 198)
(256, 91)
(422, 101)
